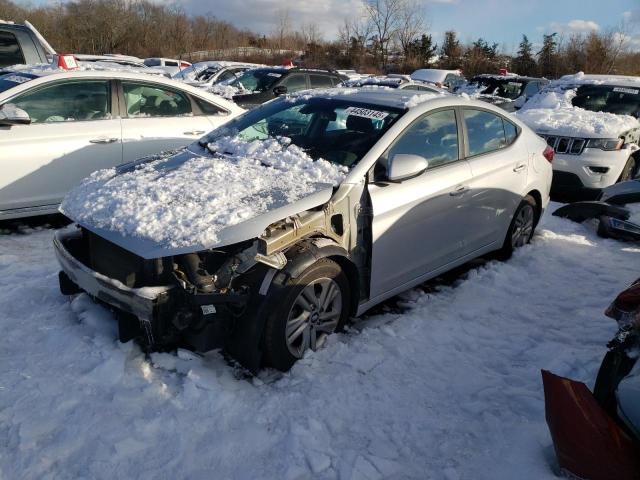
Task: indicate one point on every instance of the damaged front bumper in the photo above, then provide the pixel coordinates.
(160, 316)
(144, 303)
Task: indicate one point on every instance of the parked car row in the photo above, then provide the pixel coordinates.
(273, 226)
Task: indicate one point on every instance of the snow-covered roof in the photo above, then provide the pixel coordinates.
(433, 75)
(581, 78)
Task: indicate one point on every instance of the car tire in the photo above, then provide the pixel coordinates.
(629, 171)
(300, 319)
(522, 227)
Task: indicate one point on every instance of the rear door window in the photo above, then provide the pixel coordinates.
(67, 102)
(320, 81)
(144, 100)
(10, 51)
(295, 82)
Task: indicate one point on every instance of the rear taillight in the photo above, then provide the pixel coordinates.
(548, 153)
(184, 65)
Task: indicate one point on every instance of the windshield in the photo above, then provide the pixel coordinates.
(256, 80)
(504, 88)
(207, 73)
(608, 98)
(336, 130)
(11, 80)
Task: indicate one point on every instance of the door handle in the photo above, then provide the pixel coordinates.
(519, 168)
(194, 132)
(459, 190)
(103, 140)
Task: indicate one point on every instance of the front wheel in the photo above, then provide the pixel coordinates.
(521, 228)
(309, 308)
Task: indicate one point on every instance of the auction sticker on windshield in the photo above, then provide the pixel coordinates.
(632, 91)
(366, 113)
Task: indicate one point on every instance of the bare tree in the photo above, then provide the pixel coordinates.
(384, 16)
(411, 24)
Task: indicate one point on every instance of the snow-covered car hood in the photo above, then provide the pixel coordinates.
(551, 112)
(194, 200)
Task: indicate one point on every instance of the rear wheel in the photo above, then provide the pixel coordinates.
(521, 228)
(310, 308)
(629, 171)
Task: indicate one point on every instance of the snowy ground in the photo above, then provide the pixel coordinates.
(448, 390)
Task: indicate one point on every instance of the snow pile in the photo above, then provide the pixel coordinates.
(417, 99)
(188, 199)
(320, 92)
(551, 110)
(226, 91)
(444, 385)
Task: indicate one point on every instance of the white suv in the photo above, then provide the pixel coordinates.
(591, 121)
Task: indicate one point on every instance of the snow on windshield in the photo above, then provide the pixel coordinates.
(552, 110)
(188, 199)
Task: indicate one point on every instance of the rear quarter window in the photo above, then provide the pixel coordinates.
(10, 51)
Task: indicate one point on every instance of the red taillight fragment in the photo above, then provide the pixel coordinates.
(184, 65)
(548, 153)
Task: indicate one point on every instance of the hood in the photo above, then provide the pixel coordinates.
(195, 199)
(551, 112)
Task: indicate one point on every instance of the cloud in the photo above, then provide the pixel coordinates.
(573, 26)
(632, 16)
(262, 15)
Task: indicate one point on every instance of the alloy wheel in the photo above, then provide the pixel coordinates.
(315, 313)
(522, 226)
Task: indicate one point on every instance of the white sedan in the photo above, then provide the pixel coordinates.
(56, 127)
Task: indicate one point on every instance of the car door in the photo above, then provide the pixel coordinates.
(499, 168)
(419, 225)
(158, 118)
(72, 133)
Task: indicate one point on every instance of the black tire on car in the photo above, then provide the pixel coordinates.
(522, 226)
(307, 310)
(629, 171)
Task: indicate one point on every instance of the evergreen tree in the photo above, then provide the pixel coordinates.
(451, 51)
(547, 56)
(524, 63)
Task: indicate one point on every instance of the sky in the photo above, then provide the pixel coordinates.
(499, 21)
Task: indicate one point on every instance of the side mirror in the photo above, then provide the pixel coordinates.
(403, 166)
(280, 90)
(12, 115)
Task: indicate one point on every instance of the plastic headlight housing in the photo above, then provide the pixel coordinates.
(605, 143)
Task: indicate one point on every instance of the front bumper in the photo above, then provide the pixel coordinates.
(594, 168)
(159, 316)
(144, 303)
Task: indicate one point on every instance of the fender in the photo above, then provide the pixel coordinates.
(245, 343)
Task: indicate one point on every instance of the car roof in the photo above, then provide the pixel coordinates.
(506, 77)
(384, 97)
(598, 79)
